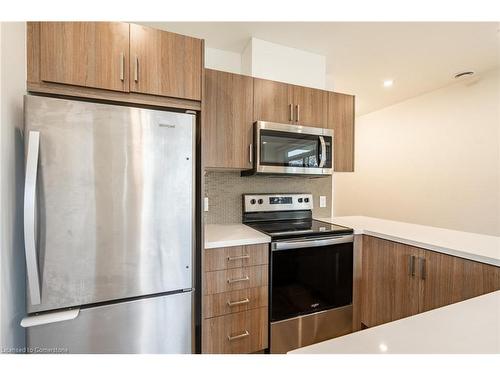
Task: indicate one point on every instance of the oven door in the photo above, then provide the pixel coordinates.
(293, 149)
(310, 275)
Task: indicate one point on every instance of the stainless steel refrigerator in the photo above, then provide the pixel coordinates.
(109, 228)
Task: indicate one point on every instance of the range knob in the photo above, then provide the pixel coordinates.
(260, 201)
(306, 200)
(300, 200)
(252, 201)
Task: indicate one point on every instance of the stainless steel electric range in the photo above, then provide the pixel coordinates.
(311, 270)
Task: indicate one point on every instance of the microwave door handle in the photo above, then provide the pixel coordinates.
(322, 159)
(30, 217)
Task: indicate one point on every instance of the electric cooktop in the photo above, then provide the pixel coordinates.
(298, 228)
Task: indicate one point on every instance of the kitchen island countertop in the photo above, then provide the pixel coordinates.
(468, 327)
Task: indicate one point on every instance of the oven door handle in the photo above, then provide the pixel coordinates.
(298, 244)
(323, 152)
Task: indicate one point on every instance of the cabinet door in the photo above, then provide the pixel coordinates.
(341, 120)
(310, 106)
(272, 101)
(227, 127)
(389, 286)
(90, 54)
(447, 279)
(164, 63)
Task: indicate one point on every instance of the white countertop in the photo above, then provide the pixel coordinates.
(224, 235)
(467, 327)
(473, 246)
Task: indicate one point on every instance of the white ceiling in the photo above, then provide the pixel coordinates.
(419, 56)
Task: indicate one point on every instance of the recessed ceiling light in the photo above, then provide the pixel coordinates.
(388, 83)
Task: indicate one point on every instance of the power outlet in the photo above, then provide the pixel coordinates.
(205, 204)
(322, 201)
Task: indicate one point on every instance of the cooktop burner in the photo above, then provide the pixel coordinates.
(298, 228)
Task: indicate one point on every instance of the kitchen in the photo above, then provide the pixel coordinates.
(176, 195)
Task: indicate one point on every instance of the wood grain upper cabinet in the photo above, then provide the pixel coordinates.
(272, 101)
(285, 103)
(165, 63)
(310, 107)
(341, 120)
(388, 286)
(227, 126)
(448, 279)
(91, 54)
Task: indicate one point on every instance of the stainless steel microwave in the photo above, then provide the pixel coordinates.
(291, 150)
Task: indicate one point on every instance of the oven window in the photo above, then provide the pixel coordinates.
(310, 279)
(292, 149)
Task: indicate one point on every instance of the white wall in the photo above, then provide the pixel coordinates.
(12, 274)
(222, 60)
(433, 159)
(268, 60)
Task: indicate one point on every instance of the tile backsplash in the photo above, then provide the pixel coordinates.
(225, 189)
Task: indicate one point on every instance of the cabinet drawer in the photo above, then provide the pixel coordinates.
(233, 302)
(235, 279)
(236, 256)
(244, 332)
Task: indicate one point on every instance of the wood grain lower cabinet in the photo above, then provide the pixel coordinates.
(91, 54)
(235, 257)
(388, 286)
(400, 280)
(244, 332)
(447, 279)
(235, 278)
(341, 120)
(235, 299)
(228, 118)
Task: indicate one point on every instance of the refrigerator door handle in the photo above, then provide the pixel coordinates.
(30, 217)
(41, 319)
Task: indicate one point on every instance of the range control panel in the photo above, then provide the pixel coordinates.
(277, 202)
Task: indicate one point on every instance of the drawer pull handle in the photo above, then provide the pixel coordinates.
(244, 334)
(236, 303)
(246, 256)
(230, 281)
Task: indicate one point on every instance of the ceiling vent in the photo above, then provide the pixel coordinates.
(463, 74)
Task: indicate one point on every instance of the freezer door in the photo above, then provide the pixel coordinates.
(153, 325)
(114, 202)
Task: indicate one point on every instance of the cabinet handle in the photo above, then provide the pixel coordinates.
(230, 281)
(422, 269)
(244, 334)
(290, 107)
(236, 303)
(298, 112)
(122, 66)
(250, 153)
(136, 69)
(411, 265)
(245, 256)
